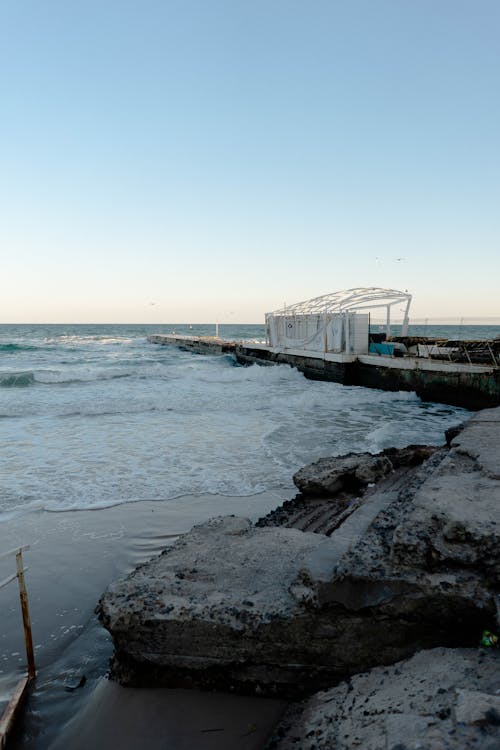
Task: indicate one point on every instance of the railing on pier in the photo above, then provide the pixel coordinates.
(485, 352)
(10, 713)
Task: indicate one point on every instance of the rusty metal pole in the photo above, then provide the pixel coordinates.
(23, 595)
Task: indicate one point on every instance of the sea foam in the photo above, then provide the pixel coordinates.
(107, 419)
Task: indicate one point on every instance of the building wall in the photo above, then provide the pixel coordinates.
(331, 332)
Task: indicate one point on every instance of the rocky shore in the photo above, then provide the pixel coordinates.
(379, 559)
(441, 699)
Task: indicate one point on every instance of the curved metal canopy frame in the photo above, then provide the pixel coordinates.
(349, 299)
(360, 298)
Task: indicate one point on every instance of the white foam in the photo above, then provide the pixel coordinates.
(150, 423)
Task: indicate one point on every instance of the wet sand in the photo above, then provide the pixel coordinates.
(169, 720)
(73, 557)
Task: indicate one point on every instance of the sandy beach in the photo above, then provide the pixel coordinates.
(73, 557)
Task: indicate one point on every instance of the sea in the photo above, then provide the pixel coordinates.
(95, 422)
(94, 415)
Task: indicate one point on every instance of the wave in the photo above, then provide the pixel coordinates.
(57, 377)
(16, 379)
(89, 339)
(18, 348)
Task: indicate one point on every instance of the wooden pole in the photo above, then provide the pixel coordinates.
(23, 595)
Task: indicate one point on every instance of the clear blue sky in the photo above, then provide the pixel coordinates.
(221, 157)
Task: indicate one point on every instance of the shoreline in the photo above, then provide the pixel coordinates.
(101, 543)
(73, 704)
(73, 557)
(8, 516)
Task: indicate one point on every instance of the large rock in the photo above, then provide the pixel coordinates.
(225, 607)
(441, 699)
(454, 520)
(278, 611)
(328, 476)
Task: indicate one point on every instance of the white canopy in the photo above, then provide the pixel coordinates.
(349, 299)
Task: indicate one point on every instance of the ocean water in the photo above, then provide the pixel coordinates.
(93, 416)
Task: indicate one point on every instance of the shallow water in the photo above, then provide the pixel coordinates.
(73, 557)
(93, 416)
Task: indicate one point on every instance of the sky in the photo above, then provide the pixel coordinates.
(200, 160)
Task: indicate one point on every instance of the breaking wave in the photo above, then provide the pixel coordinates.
(17, 348)
(16, 379)
(95, 420)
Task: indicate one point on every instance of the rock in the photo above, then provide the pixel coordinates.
(276, 611)
(474, 707)
(445, 699)
(452, 432)
(324, 514)
(454, 519)
(352, 472)
(81, 682)
(412, 455)
(225, 606)
(480, 441)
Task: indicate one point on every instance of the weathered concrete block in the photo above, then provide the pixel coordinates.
(477, 707)
(328, 476)
(264, 611)
(454, 519)
(278, 611)
(444, 699)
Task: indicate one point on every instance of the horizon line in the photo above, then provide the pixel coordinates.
(429, 320)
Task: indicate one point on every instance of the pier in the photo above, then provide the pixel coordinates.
(467, 384)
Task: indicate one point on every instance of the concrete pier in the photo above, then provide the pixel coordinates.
(472, 386)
